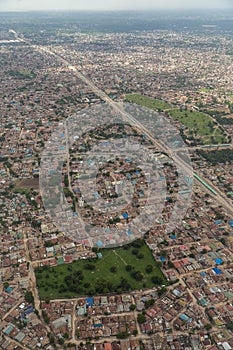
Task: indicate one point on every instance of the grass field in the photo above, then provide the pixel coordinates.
(205, 90)
(200, 126)
(105, 275)
(148, 102)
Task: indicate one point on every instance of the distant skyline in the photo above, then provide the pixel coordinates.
(31, 5)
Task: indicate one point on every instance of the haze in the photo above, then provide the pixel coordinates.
(28, 5)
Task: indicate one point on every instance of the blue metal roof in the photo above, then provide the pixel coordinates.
(90, 301)
(218, 261)
(217, 271)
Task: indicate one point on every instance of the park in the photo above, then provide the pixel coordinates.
(123, 269)
(199, 127)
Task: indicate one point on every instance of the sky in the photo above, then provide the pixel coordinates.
(28, 5)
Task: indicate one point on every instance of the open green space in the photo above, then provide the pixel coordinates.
(148, 102)
(130, 267)
(206, 89)
(22, 74)
(200, 126)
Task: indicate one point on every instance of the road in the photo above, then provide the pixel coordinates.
(32, 281)
(16, 343)
(74, 317)
(13, 308)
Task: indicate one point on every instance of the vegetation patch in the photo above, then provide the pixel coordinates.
(200, 126)
(221, 117)
(127, 268)
(148, 102)
(206, 90)
(217, 156)
(22, 74)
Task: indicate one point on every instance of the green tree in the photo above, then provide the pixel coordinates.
(141, 318)
(129, 268)
(208, 326)
(113, 269)
(162, 291)
(89, 266)
(230, 326)
(132, 307)
(157, 280)
(29, 297)
(149, 268)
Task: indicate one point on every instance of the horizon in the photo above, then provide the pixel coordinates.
(122, 5)
(162, 10)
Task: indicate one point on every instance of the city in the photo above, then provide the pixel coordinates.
(113, 280)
